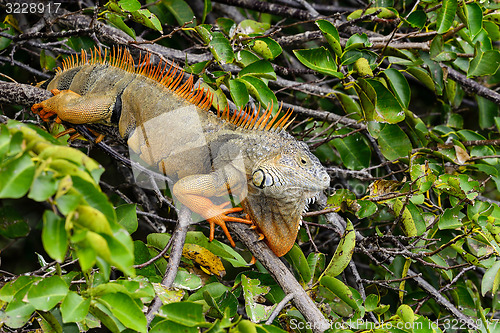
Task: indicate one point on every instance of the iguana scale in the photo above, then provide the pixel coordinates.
(247, 155)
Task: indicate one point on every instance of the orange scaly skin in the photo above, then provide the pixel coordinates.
(210, 158)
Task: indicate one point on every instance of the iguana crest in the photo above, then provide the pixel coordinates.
(171, 76)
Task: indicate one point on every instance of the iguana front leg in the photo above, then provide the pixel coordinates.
(74, 108)
(194, 192)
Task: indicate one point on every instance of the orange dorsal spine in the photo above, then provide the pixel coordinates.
(171, 78)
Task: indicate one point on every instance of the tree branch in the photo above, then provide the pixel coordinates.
(282, 275)
(473, 86)
(270, 8)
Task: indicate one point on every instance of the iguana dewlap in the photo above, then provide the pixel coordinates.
(210, 157)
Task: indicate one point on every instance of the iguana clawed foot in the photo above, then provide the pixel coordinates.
(222, 218)
(56, 106)
(48, 108)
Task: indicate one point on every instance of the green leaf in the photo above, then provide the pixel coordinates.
(54, 236)
(49, 322)
(12, 223)
(488, 110)
(186, 313)
(172, 327)
(251, 291)
(343, 253)
(16, 314)
(227, 25)
(339, 289)
(318, 59)
(384, 13)
(17, 176)
(227, 303)
(203, 31)
(299, 263)
(357, 41)
(423, 76)
(367, 208)
(4, 41)
(260, 68)
(126, 310)
(148, 19)
(4, 140)
(181, 10)
(187, 281)
(215, 289)
(47, 293)
(266, 47)
(245, 58)
(406, 314)
(95, 198)
(331, 35)
(44, 186)
(316, 262)
(451, 218)
(491, 279)
(121, 249)
(253, 27)
(261, 91)
(399, 86)
(117, 21)
(74, 308)
(239, 92)
(197, 68)
(90, 218)
(221, 48)
(354, 151)
(105, 316)
(381, 104)
(349, 106)
(371, 302)
(417, 19)
(446, 16)
(18, 286)
(437, 50)
(484, 63)
(207, 8)
(47, 62)
(394, 143)
(141, 255)
(127, 217)
(406, 220)
(129, 5)
(474, 19)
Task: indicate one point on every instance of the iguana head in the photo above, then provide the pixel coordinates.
(281, 187)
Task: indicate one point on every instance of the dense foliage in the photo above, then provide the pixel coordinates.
(397, 99)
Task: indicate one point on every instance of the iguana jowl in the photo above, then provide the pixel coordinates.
(247, 155)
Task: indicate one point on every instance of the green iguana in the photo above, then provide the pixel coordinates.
(246, 155)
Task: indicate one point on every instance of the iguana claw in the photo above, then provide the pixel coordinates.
(44, 110)
(221, 220)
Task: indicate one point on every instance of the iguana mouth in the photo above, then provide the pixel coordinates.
(310, 200)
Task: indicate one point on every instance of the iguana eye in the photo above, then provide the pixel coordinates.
(303, 161)
(261, 180)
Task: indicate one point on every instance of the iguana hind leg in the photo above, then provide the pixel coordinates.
(73, 108)
(194, 192)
